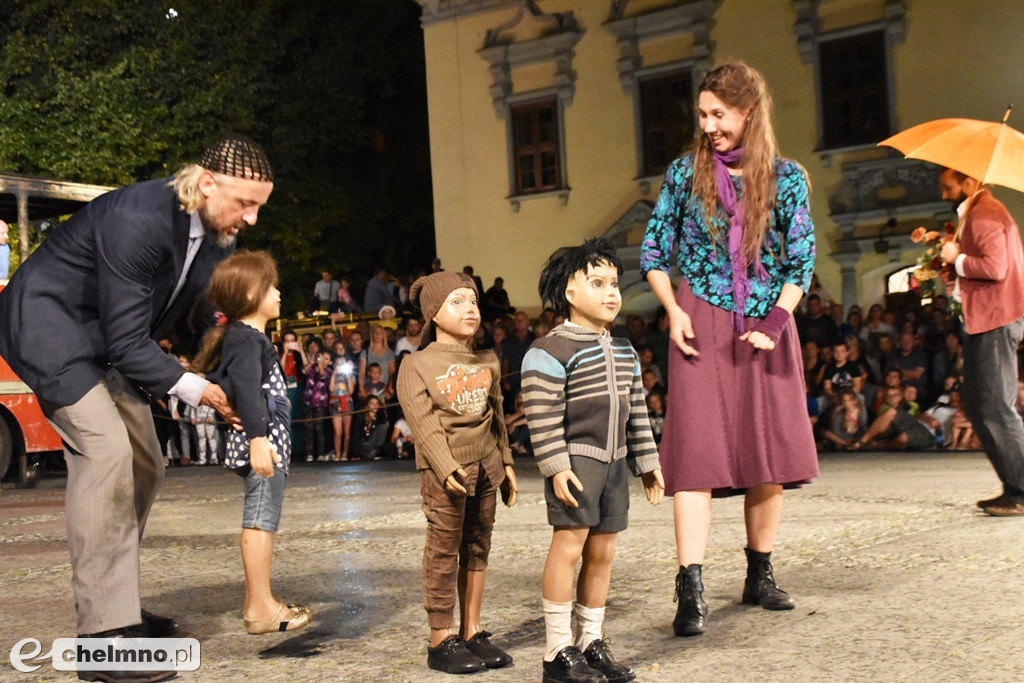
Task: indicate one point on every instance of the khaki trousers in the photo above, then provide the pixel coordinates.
(114, 471)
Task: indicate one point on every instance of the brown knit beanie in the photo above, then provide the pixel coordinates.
(429, 292)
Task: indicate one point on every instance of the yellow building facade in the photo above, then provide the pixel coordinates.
(544, 119)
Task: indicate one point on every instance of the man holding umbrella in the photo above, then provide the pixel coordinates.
(989, 261)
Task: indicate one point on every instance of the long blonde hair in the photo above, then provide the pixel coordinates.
(743, 87)
(237, 288)
(186, 184)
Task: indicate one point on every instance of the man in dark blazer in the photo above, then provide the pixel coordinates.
(989, 263)
(81, 319)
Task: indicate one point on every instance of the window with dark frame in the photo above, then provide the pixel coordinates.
(854, 90)
(536, 146)
(666, 119)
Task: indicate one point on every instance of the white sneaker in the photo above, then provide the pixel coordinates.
(309, 458)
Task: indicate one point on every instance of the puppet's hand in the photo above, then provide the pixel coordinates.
(452, 483)
(509, 487)
(654, 486)
(767, 332)
(561, 483)
(262, 456)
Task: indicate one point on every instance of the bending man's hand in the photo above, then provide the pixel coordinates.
(561, 483)
(215, 397)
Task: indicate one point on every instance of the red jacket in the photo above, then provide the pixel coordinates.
(993, 289)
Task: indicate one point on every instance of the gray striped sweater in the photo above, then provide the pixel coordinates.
(582, 396)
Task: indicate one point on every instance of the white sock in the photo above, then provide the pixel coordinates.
(557, 627)
(588, 625)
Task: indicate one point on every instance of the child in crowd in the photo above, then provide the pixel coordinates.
(182, 413)
(518, 431)
(204, 420)
(849, 422)
(317, 399)
(452, 400)
(239, 357)
(374, 385)
(584, 403)
(656, 413)
(342, 386)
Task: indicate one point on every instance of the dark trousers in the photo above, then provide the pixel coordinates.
(316, 431)
(990, 392)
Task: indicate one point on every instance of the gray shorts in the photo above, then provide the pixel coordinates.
(604, 501)
(918, 436)
(263, 499)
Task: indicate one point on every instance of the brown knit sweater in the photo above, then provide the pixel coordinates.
(451, 398)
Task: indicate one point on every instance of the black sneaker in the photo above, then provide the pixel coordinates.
(492, 655)
(453, 657)
(570, 666)
(599, 657)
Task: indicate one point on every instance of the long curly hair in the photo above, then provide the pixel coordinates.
(743, 87)
(237, 288)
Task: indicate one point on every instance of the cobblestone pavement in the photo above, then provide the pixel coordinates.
(897, 577)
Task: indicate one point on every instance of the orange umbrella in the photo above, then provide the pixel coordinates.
(985, 150)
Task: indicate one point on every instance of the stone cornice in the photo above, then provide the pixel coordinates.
(444, 10)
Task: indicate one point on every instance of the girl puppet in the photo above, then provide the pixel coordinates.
(736, 420)
(239, 357)
(452, 401)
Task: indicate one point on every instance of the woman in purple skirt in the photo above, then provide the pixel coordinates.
(736, 419)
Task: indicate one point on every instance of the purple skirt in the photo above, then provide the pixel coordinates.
(736, 417)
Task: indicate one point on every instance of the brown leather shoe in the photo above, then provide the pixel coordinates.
(1008, 509)
(1001, 499)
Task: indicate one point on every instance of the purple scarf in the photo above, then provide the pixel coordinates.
(727, 199)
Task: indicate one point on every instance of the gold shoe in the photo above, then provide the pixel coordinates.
(301, 616)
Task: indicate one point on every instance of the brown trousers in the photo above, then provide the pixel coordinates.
(458, 535)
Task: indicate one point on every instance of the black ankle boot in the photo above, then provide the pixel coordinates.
(692, 609)
(760, 588)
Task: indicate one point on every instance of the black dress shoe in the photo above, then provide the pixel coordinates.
(159, 627)
(453, 657)
(136, 631)
(600, 657)
(493, 656)
(570, 666)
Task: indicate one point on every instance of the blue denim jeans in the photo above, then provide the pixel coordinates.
(263, 499)
(990, 392)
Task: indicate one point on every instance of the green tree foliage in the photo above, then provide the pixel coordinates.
(116, 91)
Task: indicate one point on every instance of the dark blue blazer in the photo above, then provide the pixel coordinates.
(93, 295)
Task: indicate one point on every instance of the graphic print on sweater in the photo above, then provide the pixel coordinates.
(465, 388)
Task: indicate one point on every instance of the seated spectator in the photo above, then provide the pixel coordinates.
(345, 305)
(874, 329)
(895, 428)
(963, 437)
(496, 301)
(849, 422)
(890, 380)
(468, 270)
(369, 431)
(817, 325)
(853, 322)
(541, 330)
(649, 379)
(939, 418)
(518, 434)
(325, 294)
(401, 438)
(842, 375)
(378, 291)
(910, 399)
(912, 362)
(647, 361)
(1020, 400)
(656, 414)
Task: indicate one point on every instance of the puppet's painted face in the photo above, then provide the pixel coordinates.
(459, 315)
(594, 296)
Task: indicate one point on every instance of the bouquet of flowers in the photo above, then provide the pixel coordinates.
(929, 266)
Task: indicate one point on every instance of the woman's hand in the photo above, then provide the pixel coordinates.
(263, 456)
(680, 328)
(561, 483)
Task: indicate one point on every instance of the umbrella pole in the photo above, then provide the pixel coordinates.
(969, 200)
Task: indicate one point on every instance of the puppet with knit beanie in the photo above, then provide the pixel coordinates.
(451, 398)
(585, 409)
